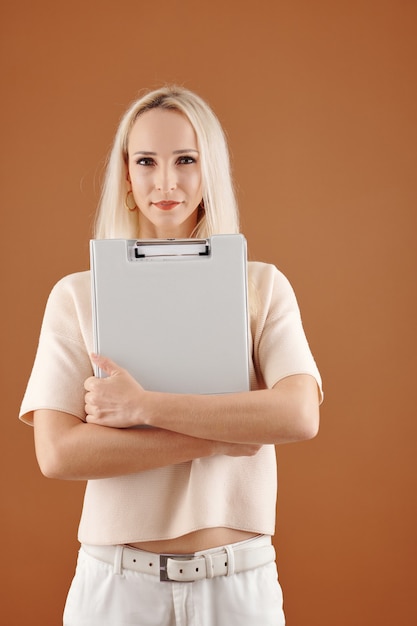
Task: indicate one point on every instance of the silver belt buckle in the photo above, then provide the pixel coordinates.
(163, 565)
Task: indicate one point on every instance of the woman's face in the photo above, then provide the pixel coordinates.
(165, 174)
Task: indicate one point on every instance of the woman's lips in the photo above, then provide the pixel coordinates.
(166, 205)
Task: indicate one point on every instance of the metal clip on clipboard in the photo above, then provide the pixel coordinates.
(169, 248)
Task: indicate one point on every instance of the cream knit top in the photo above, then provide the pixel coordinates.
(164, 503)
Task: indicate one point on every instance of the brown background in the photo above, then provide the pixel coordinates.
(319, 102)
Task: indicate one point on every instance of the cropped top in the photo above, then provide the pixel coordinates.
(167, 502)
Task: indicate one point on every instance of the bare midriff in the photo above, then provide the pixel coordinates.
(195, 542)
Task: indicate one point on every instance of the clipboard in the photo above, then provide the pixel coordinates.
(174, 313)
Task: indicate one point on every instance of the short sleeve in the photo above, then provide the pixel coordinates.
(62, 361)
(280, 345)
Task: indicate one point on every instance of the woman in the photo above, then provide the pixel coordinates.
(202, 481)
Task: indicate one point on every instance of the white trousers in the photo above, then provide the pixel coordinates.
(101, 596)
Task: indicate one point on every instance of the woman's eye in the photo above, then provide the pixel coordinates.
(186, 160)
(145, 161)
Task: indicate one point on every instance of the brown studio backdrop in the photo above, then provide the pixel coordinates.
(318, 100)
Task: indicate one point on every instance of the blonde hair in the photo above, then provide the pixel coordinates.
(220, 214)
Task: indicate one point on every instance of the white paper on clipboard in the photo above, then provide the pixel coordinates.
(174, 313)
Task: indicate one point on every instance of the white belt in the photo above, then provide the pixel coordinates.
(186, 567)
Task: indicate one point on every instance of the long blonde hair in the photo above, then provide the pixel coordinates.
(220, 214)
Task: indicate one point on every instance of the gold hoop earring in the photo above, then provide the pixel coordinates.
(128, 202)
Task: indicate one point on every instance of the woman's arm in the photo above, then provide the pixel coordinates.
(288, 412)
(67, 448)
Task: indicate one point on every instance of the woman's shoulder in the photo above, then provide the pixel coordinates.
(76, 286)
(69, 299)
(266, 275)
(76, 280)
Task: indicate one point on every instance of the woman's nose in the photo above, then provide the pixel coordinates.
(165, 180)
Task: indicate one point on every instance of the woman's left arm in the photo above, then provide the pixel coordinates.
(287, 412)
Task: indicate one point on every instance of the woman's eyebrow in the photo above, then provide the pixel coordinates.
(187, 150)
(149, 153)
